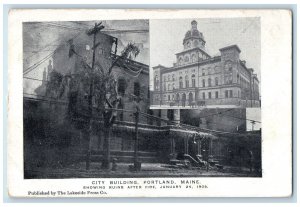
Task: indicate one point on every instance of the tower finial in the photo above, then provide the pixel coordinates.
(194, 24)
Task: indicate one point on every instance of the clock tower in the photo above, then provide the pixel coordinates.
(193, 38)
(193, 47)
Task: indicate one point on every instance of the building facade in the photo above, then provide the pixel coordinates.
(198, 79)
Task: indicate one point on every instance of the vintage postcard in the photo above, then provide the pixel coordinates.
(150, 103)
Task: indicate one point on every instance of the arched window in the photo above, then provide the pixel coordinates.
(186, 59)
(186, 81)
(194, 58)
(121, 86)
(136, 89)
(200, 57)
(209, 82)
(193, 80)
(191, 97)
(180, 82)
(216, 81)
(180, 60)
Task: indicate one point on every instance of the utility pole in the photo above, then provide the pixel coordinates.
(94, 31)
(253, 123)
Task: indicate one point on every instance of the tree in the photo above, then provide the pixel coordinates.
(107, 97)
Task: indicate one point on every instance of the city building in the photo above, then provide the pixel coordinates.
(199, 79)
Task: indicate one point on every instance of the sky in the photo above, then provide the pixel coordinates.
(253, 114)
(41, 38)
(166, 38)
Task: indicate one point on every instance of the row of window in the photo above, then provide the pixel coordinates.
(173, 77)
(208, 95)
(193, 59)
(187, 83)
(209, 82)
(228, 94)
(205, 71)
(184, 97)
(227, 80)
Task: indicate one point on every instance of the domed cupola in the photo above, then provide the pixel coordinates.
(193, 38)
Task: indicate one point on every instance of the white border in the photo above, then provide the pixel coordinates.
(275, 92)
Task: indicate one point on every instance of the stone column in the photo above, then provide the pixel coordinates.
(177, 116)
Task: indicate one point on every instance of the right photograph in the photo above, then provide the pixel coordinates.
(205, 63)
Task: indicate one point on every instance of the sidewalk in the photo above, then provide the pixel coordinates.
(148, 170)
